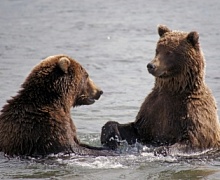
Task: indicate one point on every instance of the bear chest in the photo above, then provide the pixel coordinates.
(161, 118)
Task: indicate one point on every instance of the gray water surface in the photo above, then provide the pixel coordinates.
(113, 40)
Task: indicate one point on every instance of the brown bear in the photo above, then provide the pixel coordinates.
(37, 121)
(180, 111)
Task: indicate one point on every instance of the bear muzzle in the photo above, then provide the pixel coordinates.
(157, 71)
(90, 98)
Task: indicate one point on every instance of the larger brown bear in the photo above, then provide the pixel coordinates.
(180, 111)
(37, 121)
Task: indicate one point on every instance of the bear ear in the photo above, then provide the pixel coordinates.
(64, 64)
(162, 29)
(193, 38)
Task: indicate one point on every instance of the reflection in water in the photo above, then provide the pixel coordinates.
(195, 174)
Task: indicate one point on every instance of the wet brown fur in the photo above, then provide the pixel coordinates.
(37, 121)
(181, 110)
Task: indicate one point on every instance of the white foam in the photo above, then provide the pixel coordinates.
(97, 163)
(126, 159)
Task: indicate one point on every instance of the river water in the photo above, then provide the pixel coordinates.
(113, 40)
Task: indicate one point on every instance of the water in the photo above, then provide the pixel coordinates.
(113, 40)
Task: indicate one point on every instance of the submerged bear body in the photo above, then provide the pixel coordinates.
(181, 110)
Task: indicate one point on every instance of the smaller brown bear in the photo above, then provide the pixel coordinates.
(181, 111)
(37, 121)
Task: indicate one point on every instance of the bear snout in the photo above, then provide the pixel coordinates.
(87, 99)
(151, 66)
(95, 91)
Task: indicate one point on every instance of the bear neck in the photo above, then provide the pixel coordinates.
(50, 100)
(188, 83)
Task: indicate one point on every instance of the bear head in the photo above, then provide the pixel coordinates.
(178, 59)
(60, 80)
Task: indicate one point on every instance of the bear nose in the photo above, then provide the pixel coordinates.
(98, 94)
(150, 66)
